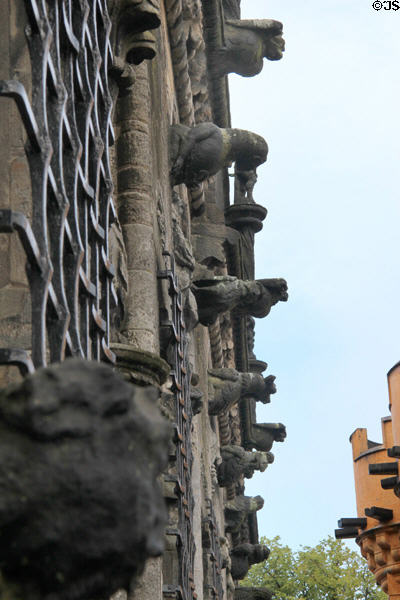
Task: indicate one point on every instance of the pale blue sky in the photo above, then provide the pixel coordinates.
(330, 113)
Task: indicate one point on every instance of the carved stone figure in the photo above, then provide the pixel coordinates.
(237, 463)
(265, 434)
(80, 506)
(226, 563)
(244, 186)
(135, 19)
(223, 293)
(238, 510)
(246, 555)
(248, 593)
(229, 386)
(201, 151)
(247, 43)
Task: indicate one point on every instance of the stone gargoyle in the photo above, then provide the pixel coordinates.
(247, 43)
(237, 462)
(246, 555)
(249, 593)
(230, 386)
(238, 510)
(265, 434)
(201, 151)
(80, 506)
(224, 292)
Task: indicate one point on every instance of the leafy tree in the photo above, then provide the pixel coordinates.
(329, 571)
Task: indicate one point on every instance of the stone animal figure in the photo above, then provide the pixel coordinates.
(238, 510)
(249, 593)
(265, 434)
(237, 463)
(224, 292)
(80, 505)
(201, 151)
(230, 386)
(247, 43)
(246, 555)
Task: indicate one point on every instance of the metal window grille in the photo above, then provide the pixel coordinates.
(68, 127)
(214, 554)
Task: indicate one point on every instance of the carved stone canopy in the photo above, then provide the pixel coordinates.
(224, 293)
(199, 152)
(80, 508)
(135, 19)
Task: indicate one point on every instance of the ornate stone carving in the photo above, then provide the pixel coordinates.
(247, 43)
(224, 293)
(227, 563)
(80, 453)
(248, 593)
(229, 386)
(135, 20)
(201, 151)
(246, 555)
(237, 463)
(238, 510)
(265, 434)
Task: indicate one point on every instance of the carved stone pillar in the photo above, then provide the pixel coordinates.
(136, 212)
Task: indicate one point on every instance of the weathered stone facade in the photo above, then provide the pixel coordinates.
(116, 143)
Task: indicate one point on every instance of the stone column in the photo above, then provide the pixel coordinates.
(136, 209)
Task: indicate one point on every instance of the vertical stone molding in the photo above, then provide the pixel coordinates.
(136, 209)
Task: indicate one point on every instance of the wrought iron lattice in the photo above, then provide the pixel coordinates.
(68, 127)
(214, 553)
(184, 458)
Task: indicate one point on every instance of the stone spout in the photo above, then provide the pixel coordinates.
(223, 293)
(229, 386)
(197, 153)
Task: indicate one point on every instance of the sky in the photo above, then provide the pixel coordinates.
(330, 113)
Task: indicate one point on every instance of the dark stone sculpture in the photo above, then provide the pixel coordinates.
(135, 19)
(223, 293)
(246, 555)
(265, 434)
(247, 43)
(237, 463)
(230, 386)
(80, 508)
(201, 151)
(238, 510)
(248, 593)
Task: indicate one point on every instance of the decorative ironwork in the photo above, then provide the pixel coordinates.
(214, 553)
(68, 127)
(184, 458)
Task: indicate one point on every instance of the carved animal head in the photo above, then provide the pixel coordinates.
(265, 434)
(270, 386)
(273, 42)
(248, 593)
(80, 453)
(277, 288)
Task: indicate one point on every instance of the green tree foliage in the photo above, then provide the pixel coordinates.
(329, 571)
